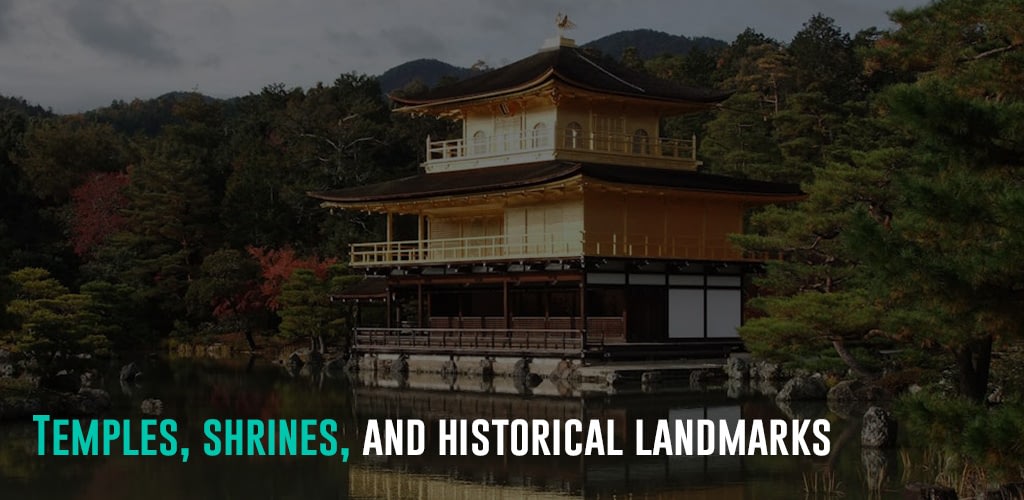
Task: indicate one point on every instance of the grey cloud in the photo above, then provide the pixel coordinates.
(210, 61)
(413, 42)
(116, 28)
(6, 12)
(350, 42)
(498, 24)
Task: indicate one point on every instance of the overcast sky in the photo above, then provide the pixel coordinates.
(74, 55)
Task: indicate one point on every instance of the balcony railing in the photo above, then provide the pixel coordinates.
(569, 140)
(469, 249)
(505, 248)
(647, 246)
(478, 341)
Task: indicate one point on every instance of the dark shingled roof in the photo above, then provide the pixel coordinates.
(370, 287)
(574, 67)
(497, 179)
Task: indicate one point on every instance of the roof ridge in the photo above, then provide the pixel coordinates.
(609, 73)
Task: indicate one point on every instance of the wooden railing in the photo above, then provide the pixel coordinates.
(480, 340)
(498, 248)
(672, 247)
(625, 144)
(469, 249)
(663, 147)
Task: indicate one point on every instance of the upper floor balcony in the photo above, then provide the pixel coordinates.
(481, 249)
(571, 143)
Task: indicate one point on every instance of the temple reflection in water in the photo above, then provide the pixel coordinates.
(434, 476)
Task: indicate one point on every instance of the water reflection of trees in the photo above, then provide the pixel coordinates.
(192, 391)
(968, 447)
(971, 450)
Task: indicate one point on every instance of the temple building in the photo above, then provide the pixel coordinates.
(561, 223)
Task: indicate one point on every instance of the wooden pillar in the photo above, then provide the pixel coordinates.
(387, 307)
(419, 305)
(458, 300)
(388, 237)
(546, 294)
(583, 307)
(505, 303)
(420, 233)
(625, 225)
(703, 250)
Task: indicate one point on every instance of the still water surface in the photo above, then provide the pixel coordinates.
(193, 391)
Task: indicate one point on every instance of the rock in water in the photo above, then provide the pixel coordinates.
(400, 366)
(737, 368)
(89, 402)
(766, 370)
(879, 429)
(294, 363)
(564, 371)
(129, 372)
(646, 378)
(153, 407)
(8, 368)
(487, 369)
(922, 491)
(699, 377)
(803, 388)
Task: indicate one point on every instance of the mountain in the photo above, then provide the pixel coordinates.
(650, 43)
(145, 116)
(428, 71)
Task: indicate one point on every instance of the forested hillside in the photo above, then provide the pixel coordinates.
(186, 215)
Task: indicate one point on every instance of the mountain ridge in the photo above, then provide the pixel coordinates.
(648, 43)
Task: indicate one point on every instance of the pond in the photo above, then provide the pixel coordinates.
(195, 390)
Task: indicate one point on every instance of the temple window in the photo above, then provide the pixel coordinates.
(574, 135)
(480, 142)
(641, 142)
(540, 136)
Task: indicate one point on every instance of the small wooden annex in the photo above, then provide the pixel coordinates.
(560, 222)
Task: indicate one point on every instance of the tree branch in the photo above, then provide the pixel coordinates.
(990, 53)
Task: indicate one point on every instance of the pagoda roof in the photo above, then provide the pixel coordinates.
(570, 65)
(498, 179)
(369, 288)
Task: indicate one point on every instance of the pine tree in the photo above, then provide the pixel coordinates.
(951, 255)
(54, 325)
(307, 311)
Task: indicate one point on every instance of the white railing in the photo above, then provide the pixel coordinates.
(490, 248)
(470, 249)
(539, 140)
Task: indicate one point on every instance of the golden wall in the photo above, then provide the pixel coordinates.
(680, 226)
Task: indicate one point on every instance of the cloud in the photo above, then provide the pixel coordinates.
(6, 14)
(350, 43)
(112, 27)
(413, 41)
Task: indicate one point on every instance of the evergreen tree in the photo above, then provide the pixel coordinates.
(54, 324)
(824, 60)
(951, 254)
(816, 296)
(306, 309)
(227, 289)
(170, 228)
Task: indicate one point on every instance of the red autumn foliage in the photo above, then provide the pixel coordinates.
(249, 300)
(96, 210)
(278, 265)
